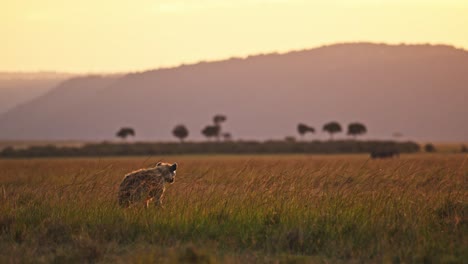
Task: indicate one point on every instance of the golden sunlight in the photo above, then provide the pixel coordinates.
(124, 35)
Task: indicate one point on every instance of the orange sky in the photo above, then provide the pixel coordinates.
(130, 35)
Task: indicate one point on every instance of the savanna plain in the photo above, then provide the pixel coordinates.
(231, 209)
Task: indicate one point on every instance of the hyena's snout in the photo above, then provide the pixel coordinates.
(172, 175)
(171, 178)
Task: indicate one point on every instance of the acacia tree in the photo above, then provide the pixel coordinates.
(180, 132)
(211, 131)
(332, 128)
(217, 120)
(124, 132)
(356, 129)
(302, 129)
(227, 136)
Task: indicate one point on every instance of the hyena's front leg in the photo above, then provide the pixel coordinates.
(148, 201)
(158, 202)
(157, 198)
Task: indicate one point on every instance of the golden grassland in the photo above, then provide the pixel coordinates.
(230, 209)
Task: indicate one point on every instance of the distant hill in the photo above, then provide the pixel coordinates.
(17, 87)
(418, 90)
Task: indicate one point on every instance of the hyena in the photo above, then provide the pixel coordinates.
(146, 185)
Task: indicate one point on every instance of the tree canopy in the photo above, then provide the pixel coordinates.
(180, 132)
(218, 119)
(211, 131)
(356, 129)
(332, 128)
(227, 136)
(124, 132)
(302, 129)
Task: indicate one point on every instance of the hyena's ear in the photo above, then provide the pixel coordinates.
(174, 167)
(158, 164)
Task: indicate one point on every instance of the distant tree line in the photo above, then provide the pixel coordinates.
(354, 129)
(212, 147)
(181, 132)
(215, 130)
(228, 146)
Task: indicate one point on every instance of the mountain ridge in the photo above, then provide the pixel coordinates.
(20, 87)
(312, 86)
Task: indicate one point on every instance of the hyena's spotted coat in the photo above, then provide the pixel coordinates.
(146, 185)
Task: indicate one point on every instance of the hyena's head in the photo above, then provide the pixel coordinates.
(168, 171)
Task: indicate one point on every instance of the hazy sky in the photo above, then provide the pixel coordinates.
(130, 35)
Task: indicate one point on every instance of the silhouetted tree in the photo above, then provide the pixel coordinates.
(356, 129)
(332, 128)
(227, 136)
(218, 119)
(124, 132)
(211, 131)
(397, 135)
(302, 129)
(180, 132)
(429, 148)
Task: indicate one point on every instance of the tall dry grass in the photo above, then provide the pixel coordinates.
(239, 208)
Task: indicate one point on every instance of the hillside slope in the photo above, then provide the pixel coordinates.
(18, 88)
(418, 90)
